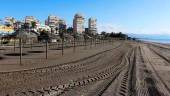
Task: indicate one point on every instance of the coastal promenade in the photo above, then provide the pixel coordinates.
(118, 68)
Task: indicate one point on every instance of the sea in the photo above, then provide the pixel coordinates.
(158, 38)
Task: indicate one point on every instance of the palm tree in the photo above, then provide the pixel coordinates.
(33, 24)
(70, 30)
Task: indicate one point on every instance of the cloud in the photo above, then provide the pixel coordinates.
(110, 28)
(148, 29)
(153, 29)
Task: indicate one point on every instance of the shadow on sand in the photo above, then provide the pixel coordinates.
(15, 54)
(35, 51)
(1, 58)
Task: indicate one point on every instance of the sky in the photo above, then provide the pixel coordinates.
(128, 16)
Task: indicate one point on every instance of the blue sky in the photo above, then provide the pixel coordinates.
(131, 16)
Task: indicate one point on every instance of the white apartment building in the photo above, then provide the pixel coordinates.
(29, 19)
(9, 20)
(92, 26)
(78, 24)
(53, 23)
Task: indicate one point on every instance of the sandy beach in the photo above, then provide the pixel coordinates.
(117, 68)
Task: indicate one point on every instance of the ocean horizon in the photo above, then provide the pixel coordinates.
(158, 38)
(165, 41)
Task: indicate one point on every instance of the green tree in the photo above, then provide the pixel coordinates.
(70, 30)
(33, 24)
(103, 33)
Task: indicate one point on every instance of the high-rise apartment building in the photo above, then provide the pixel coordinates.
(78, 24)
(61, 21)
(62, 24)
(30, 19)
(53, 23)
(9, 21)
(92, 26)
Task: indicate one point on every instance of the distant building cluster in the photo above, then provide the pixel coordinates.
(52, 24)
(78, 25)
